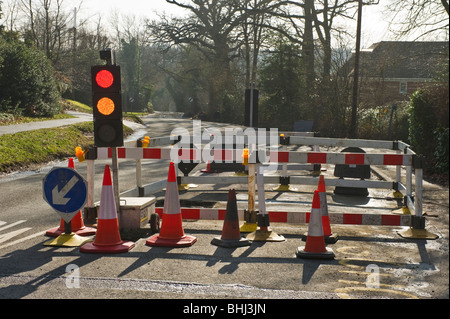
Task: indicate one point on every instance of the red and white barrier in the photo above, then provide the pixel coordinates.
(230, 155)
(298, 217)
(403, 156)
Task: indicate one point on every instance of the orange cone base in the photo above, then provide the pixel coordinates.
(301, 253)
(184, 241)
(331, 239)
(122, 247)
(230, 243)
(84, 231)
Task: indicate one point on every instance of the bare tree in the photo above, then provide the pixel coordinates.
(48, 26)
(212, 28)
(419, 18)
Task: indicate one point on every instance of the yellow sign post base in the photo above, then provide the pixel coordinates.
(265, 235)
(68, 240)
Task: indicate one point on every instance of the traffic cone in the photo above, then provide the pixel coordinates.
(315, 242)
(107, 239)
(77, 223)
(208, 168)
(231, 235)
(330, 238)
(171, 233)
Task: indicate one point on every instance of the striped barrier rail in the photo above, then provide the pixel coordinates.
(235, 156)
(403, 156)
(298, 217)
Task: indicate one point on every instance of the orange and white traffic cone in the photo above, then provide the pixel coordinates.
(315, 243)
(171, 233)
(208, 168)
(107, 240)
(231, 235)
(77, 223)
(330, 238)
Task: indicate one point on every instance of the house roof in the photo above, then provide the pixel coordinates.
(405, 60)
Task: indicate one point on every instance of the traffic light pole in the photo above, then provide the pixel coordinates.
(106, 55)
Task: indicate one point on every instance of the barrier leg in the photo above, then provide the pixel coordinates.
(417, 229)
(284, 179)
(250, 217)
(90, 211)
(263, 232)
(139, 177)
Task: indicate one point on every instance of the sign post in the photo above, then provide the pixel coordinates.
(66, 192)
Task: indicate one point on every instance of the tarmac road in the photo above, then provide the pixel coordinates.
(403, 269)
(78, 118)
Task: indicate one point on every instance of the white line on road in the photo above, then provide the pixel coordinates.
(11, 234)
(42, 233)
(12, 225)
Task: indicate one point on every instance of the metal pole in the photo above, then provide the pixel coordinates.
(67, 227)
(251, 166)
(398, 171)
(251, 187)
(409, 181)
(261, 192)
(353, 124)
(418, 197)
(90, 212)
(284, 169)
(139, 177)
(90, 181)
(252, 88)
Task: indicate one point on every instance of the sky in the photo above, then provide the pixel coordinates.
(375, 26)
(139, 8)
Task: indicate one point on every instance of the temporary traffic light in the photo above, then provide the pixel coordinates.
(107, 105)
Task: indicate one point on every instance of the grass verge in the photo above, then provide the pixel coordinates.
(26, 149)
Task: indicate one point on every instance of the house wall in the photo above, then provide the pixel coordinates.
(375, 92)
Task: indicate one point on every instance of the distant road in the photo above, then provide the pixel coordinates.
(78, 118)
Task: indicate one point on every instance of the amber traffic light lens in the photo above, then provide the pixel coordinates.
(105, 106)
(104, 79)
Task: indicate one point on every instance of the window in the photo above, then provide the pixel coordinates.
(403, 87)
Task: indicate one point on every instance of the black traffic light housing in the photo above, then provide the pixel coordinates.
(107, 105)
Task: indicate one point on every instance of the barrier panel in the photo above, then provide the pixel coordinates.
(298, 217)
(403, 157)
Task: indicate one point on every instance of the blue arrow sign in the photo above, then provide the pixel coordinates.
(65, 191)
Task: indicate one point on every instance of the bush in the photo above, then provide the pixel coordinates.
(376, 123)
(422, 123)
(27, 83)
(428, 135)
(442, 150)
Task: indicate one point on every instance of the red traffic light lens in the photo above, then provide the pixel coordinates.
(104, 79)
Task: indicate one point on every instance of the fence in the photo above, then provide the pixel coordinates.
(402, 156)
